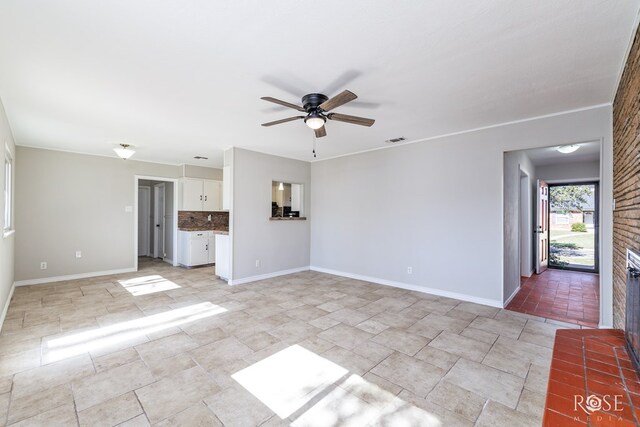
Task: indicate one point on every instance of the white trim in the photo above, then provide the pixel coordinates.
(6, 305)
(506, 303)
(462, 132)
(268, 276)
(407, 286)
(601, 326)
(45, 280)
(8, 233)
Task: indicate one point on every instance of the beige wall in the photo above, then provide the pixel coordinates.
(7, 246)
(279, 245)
(67, 202)
(201, 172)
(377, 213)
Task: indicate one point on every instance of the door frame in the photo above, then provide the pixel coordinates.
(596, 224)
(176, 189)
(146, 219)
(159, 214)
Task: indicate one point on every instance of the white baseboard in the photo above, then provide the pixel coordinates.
(6, 305)
(267, 276)
(72, 277)
(407, 286)
(506, 303)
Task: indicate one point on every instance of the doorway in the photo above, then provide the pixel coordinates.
(552, 263)
(573, 226)
(156, 216)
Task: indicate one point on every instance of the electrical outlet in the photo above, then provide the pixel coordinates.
(257, 263)
(43, 265)
(409, 270)
(78, 254)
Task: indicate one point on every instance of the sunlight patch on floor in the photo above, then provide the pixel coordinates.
(289, 379)
(148, 285)
(82, 342)
(310, 390)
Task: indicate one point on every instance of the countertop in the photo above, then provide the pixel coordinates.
(288, 218)
(225, 232)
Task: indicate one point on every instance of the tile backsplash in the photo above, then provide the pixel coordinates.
(195, 220)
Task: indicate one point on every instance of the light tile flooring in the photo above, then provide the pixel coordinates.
(168, 346)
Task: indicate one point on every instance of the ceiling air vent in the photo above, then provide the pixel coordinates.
(201, 158)
(396, 140)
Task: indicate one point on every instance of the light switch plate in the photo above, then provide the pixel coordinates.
(128, 209)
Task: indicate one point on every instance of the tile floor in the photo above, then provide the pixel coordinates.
(569, 296)
(168, 346)
(592, 366)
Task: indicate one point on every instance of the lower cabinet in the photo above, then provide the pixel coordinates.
(196, 248)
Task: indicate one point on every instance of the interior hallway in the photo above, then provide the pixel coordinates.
(569, 296)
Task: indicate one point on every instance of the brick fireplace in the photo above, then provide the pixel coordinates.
(626, 177)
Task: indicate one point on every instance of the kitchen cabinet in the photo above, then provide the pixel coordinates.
(201, 195)
(223, 259)
(211, 248)
(193, 248)
(196, 248)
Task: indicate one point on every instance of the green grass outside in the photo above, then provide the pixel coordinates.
(578, 240)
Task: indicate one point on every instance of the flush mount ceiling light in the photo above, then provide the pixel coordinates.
(124, 151)
(566, 149)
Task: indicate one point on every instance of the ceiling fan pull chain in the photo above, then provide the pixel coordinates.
(314, 146)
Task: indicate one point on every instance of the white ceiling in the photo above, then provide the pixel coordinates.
(183, 78)
(588, 152)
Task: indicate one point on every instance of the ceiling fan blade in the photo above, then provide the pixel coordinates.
(285, 103)
(321, 132)
(277, 122)
(354, 120)
(338, 100)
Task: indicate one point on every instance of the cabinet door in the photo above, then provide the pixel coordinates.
(192, 195)
(212, 249)
(199, 252)
(211, 195)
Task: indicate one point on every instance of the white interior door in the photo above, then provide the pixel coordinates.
(144, 212)
(542, 227)
(158, 220)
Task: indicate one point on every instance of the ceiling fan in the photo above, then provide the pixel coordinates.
(317, 107)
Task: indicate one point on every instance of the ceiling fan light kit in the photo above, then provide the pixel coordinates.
(317, 107)
(315, 121)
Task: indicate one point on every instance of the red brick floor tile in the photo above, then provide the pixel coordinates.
(605, 376)
(568, 296)
(554, 419)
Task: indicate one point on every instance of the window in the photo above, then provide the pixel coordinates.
(8, 191)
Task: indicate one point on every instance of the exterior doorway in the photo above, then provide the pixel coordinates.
(573, 226)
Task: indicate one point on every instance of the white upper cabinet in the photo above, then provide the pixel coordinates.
(201, 195)
(212, 195)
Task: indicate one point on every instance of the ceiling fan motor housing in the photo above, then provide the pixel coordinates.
(311, 101)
